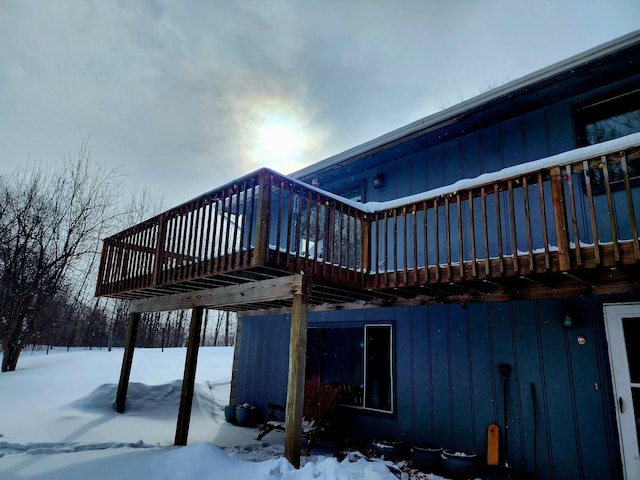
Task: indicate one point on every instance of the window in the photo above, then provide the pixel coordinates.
(358, 360)
(604, 119)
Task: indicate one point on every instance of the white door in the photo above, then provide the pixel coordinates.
(623, 332)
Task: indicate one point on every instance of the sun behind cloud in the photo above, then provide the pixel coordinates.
(280, 144)
(275, 130)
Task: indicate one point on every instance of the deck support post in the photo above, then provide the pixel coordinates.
(262, 220)
(189, 377)
(125, 371)
(297, 363)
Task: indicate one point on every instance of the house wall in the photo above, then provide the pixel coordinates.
(448, 388)
(480, 146)
(447, 385)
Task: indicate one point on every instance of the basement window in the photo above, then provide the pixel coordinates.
(606, 118)
(357, 360)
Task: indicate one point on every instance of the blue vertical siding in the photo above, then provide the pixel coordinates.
(448, 388)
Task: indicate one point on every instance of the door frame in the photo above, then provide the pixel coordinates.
(621, 381)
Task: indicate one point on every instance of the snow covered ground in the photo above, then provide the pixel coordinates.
(57, 422)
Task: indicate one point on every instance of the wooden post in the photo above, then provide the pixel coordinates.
(262, 219)
(297, 363)
(560, 216)
(130, 345)
(189, 377)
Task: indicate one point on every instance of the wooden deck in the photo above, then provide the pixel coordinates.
(565, 229)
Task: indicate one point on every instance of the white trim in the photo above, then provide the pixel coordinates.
(628, 439)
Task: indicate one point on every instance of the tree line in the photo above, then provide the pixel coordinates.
(51, 225)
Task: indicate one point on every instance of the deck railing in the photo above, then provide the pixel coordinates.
(549, 216)
(261, 220)
(574, 215)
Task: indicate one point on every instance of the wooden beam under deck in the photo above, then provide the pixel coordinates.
(221, 298)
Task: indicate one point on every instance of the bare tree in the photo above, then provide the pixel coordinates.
(50, 226)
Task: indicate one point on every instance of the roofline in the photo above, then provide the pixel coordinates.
(597, 52)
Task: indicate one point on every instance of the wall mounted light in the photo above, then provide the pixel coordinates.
(378, 179)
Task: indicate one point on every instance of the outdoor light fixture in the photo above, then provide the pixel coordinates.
(377, 180)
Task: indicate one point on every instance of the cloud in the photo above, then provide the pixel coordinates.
(176, 91)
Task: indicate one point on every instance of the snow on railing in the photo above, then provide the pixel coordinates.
(556, 213)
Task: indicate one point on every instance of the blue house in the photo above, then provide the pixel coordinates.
(502, 231)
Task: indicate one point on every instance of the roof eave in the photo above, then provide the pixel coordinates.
(461, 108)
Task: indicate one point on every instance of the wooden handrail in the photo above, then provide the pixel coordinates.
(558, 217)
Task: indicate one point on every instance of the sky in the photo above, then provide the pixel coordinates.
(57, 423)
(182, 97)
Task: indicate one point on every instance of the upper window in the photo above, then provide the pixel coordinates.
(604, 119)
(357, 360)
(608, 118)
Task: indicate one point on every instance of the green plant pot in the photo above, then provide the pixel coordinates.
(230, 413)
(244, 415)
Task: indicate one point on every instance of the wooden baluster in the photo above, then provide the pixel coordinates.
(208, 254)
(217, 236)
(395, 247)
(291, 212)
(447, 222)
(243, 225)
(169, 276)
(405, 243)
(190, 252)
(472, 227)
(487, 259)
(460, 236)
(307, 233)
(281, 210)
(426, 241)
(527, 219)
(193, 241)
(514, 235)
(610, 207)
(338, 247)
(377, 220)
(386, 248)
(184, 226)
(543, 215)
(327, 257)
(235, 252)
(560, 217)
(149, 254)
(414, 218)
(354, 241)
(136, 245)
(318, 233)
(228, 208)
(592, 213)
(365, 251)
(436, 233)
(630, 207)
(159, 253)
(252, 213)
(496, 193)
(574, 216)
(297, 234)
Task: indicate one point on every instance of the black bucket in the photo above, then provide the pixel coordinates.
(426, 458)
(392, 450)
(460, 464)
